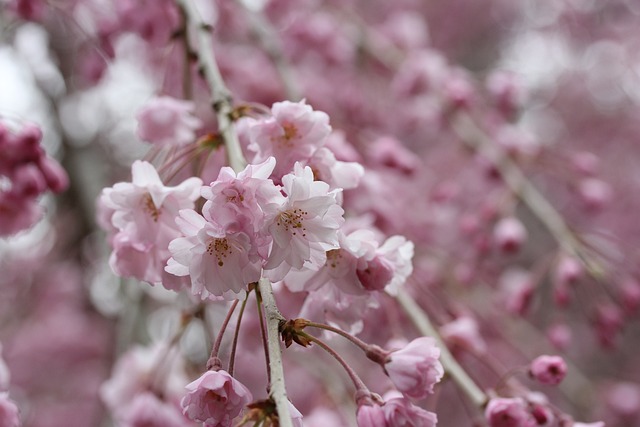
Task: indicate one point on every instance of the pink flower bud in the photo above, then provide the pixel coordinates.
(595, 193)
(630, 295)
(624, 399)
(415, 369)
(370, 416)
(585, 163)
(215, 398)
(464, 333)
(568, 271)
(28, 181)
(559, 335)
(549, 370)
(509, 234)
(508, 412)
(377, 274)
(608, 323)
(56, 177)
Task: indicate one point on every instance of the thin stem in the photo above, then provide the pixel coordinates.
(263, 333)
(277, 386)
(357, 341)
(451, 366)
(216, 345)
(357, 382)
(187, 88)
(234, 345)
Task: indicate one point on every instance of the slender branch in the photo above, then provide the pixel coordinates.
(221, 96)
(236, 334)
(451, 366)
(216, 345)
(469, 132)
(357, 341)
(357, 382)
(263, 333)
(277, 386)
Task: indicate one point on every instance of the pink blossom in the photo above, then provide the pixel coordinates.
(508, 412)
(147, 410)
(516, 290)
(509, 234)
(142, 213)
(336, 173)
(239, 201)
(548, 369)
(167, 121)
(398, 251)
(216, 398)
(305, 227)
(401, 412)
(219, 263)
(371, 416)
(9, 413)
(415, 369)
(136, 372)
(293, 133)
(596, 424)
(463, 332)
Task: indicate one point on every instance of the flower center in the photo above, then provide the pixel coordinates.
(293, 220)
(333, 257)
(220, 248)
(150, 207)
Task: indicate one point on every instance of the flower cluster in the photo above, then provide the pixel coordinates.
(26, 172)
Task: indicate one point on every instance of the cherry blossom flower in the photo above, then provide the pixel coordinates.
(216, 398)
(508, 412)
(239, 200)
(293, 133)
(305, 227)
(146, 409)
(219, 263)
(548, 369)
(167, 121)
(142, 213)
(401, 412)
(415, 369)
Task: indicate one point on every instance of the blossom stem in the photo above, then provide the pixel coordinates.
(263, 333)
(236, 334)
(357, 382)
(221, 96)
(451, 366)
(357, 341)
(277, 388)
(216, 345)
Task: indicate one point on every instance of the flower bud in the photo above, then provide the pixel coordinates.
(509, 234)
(549, 370)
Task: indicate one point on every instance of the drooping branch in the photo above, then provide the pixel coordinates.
(222, 104)
(221, 96)
(276, 387)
